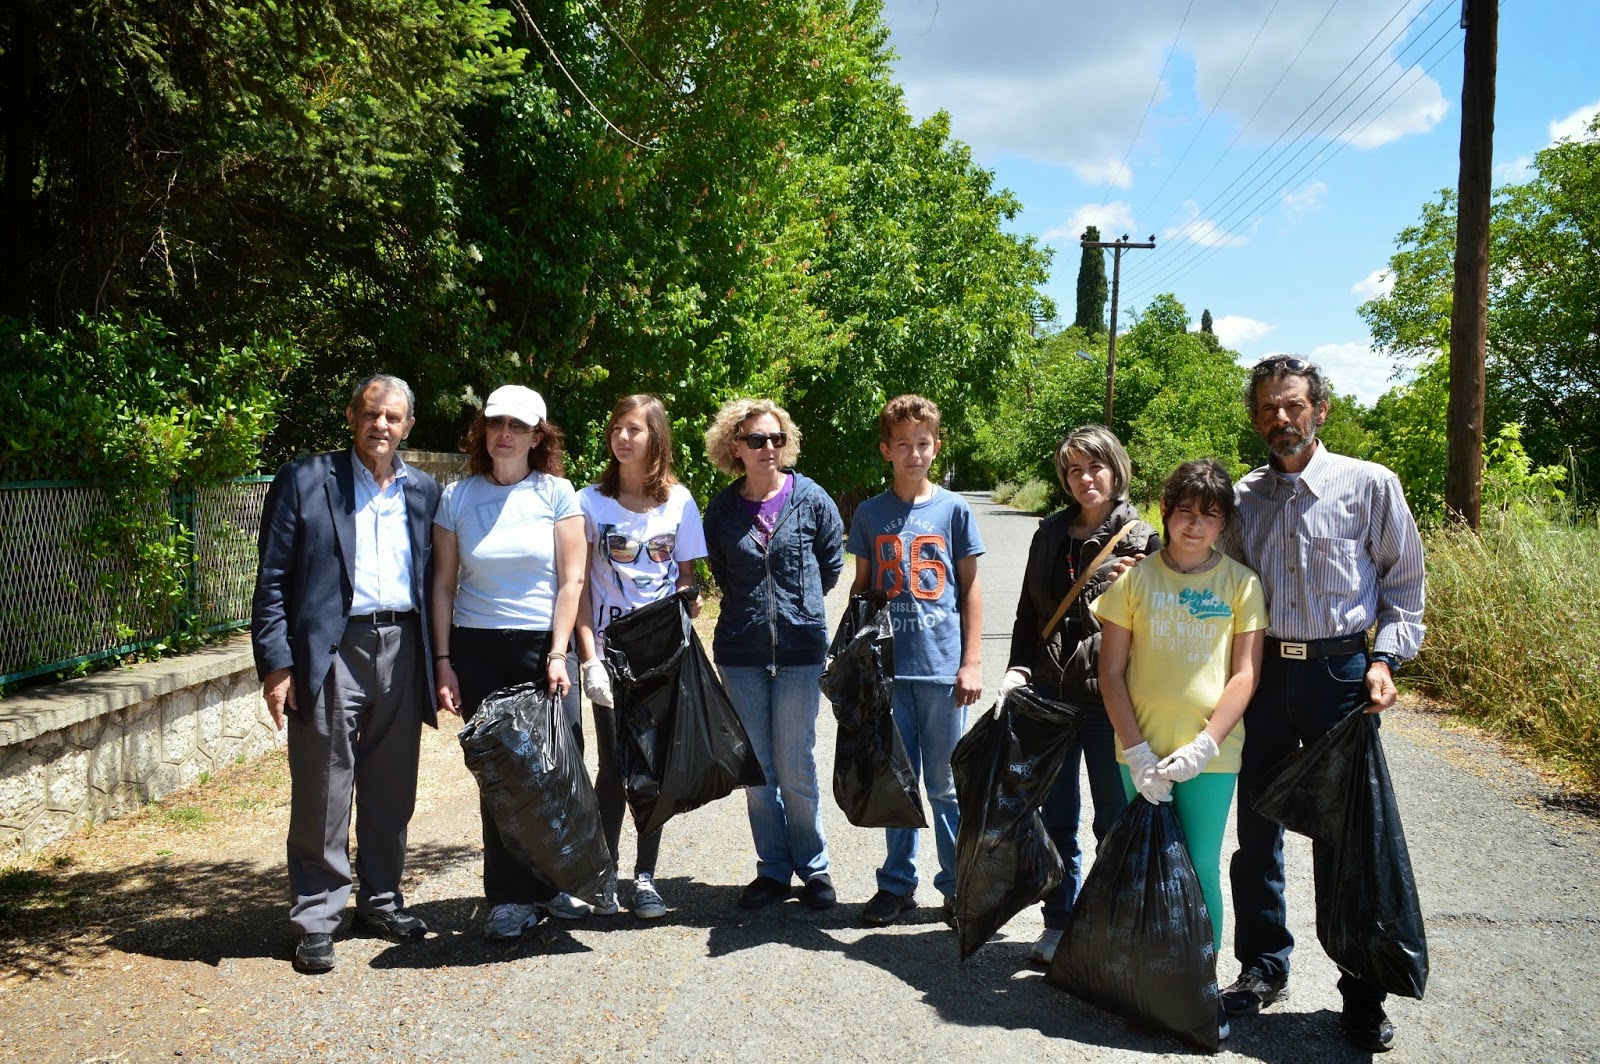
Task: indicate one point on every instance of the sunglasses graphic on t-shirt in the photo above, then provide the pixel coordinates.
(623, 548)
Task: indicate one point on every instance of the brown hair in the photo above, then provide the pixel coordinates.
(907, 409)
(1101, 444)
(658, 476)
(1203, 482)
(547, 456)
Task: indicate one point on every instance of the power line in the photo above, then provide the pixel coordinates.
(1148, 104)
(600, 11)
(523, 11)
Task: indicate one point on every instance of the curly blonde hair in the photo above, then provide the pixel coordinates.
(725, 429)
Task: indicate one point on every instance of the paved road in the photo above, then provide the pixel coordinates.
(1507, 880)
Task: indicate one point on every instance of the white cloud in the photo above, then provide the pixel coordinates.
(1353, 368)
(1106, 172)
(1304, 198)
(1515, 171)
(1235, 330)
(1379, 282)
(1114, 219)
(1202, 231)
(1576, 125)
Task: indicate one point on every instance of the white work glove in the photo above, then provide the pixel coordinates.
(1013, 679)
(597, 682)
(1142, 767)
(1188, 761)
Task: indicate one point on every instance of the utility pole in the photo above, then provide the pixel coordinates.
(1117, 248)
(1469, 311)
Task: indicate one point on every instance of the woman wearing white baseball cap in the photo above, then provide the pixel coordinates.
(509, 555)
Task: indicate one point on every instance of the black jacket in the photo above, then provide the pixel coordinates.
(1070, 659)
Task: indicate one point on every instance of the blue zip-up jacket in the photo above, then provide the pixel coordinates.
(773, 610)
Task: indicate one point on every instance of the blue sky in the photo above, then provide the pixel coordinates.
(1050, 94)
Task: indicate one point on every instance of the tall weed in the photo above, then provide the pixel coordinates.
(1513, 640)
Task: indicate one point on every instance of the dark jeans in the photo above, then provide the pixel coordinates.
(1296, 703)
(485, 660)
(613, 801)
(1096, 746)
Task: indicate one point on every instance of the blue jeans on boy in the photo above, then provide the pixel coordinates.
(1096, 745)
(779, 714)
(930, 725)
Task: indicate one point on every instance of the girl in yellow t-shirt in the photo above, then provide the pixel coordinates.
(1179, 659)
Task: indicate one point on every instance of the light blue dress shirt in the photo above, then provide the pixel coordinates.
(382, 580)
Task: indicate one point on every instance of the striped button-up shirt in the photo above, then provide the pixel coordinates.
(1337, 550)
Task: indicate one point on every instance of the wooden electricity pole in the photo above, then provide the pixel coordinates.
(1469, 313)
(1117, 248)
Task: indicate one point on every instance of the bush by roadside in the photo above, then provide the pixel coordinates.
(1034, 496)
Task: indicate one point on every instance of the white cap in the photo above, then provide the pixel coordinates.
(513, 400)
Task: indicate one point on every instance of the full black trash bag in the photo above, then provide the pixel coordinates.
(530, 772)
(1337, 790)
(873, 780)
(1004, 768)
(1138, 942)
(679, 740)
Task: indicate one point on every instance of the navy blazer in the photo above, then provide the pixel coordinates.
(305, 583)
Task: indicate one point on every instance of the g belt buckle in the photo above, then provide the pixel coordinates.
(1296, 651)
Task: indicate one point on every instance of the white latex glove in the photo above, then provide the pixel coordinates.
(597, 682)
(1013, 679)
(1142, 767)
(1188, 761)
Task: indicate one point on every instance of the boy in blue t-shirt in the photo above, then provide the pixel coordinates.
(919, 543)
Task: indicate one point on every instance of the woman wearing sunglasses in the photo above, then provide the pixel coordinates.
(774, 542)
(644, 535)
(507, 578)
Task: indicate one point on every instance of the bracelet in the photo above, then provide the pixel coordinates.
(441, 657)
(554, 654)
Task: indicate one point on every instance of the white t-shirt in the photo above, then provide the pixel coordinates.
(506, 535)
(636, 557)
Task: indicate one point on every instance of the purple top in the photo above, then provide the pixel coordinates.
(765, 514)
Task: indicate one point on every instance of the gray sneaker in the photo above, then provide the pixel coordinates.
(605, 903)
(647, 902)
(564, 907)
(1044, 950)
(508, 920)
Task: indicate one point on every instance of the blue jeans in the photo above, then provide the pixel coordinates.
(779, 713)
(930, 725)
(1096, 745)
(1296, 703)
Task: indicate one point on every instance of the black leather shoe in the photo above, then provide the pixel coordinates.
(314, 953)
(398, 926)
(1367, 1028)
(1252, 992)
(763, 891)
(885, 908)
(818, 893)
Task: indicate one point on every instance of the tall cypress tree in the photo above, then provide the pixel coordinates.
(1205, 322)
(1092, 290)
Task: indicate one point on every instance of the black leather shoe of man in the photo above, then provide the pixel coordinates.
(314, 953)
(763, 891)
(397, 926)
(1367, 1028)
(885, 908)
(1252, 992)
(818, 893)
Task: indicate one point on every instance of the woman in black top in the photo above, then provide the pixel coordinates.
(1094, 469)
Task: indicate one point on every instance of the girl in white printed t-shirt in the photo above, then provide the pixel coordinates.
(644, 535)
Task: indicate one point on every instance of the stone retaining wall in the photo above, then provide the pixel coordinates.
(81, 752)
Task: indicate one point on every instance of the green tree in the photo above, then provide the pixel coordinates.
(1205, 322)
(1092, 289)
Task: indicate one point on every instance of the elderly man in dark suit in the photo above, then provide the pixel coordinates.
(340, 632)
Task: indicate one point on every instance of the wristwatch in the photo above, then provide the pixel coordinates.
(1388, 659)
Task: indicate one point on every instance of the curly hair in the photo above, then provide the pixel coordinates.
(547, 456)
(1101, 444)
(725, 429)
(658, 475)
(1274, 367)
(907, 410)
(1206, 484)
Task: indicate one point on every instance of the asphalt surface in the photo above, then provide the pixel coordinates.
(1506, 875)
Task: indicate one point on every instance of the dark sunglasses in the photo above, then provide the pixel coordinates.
(757, 441)
(1273, 363)
(498, 422)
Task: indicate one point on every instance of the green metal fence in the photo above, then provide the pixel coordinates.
(59, 609)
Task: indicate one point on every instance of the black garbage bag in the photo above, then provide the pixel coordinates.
(530, 772)
(873, 780)
(1004, 767)
(1138, 942)
(679, 740)
(1337, 790)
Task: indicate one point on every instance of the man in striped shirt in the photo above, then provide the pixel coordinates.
(1338, 553)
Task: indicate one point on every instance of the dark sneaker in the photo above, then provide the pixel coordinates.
(1252, 992)
(397, 926)
(947, 912)
(886, 906)
(314, 953)
(564, 907)
(818, 893)
(647, 900)
(1367, 1027)
(762, 892)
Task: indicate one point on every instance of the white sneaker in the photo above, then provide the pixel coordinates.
(564, 907)
(647, 902)
(509, 920)
(1044, 950)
